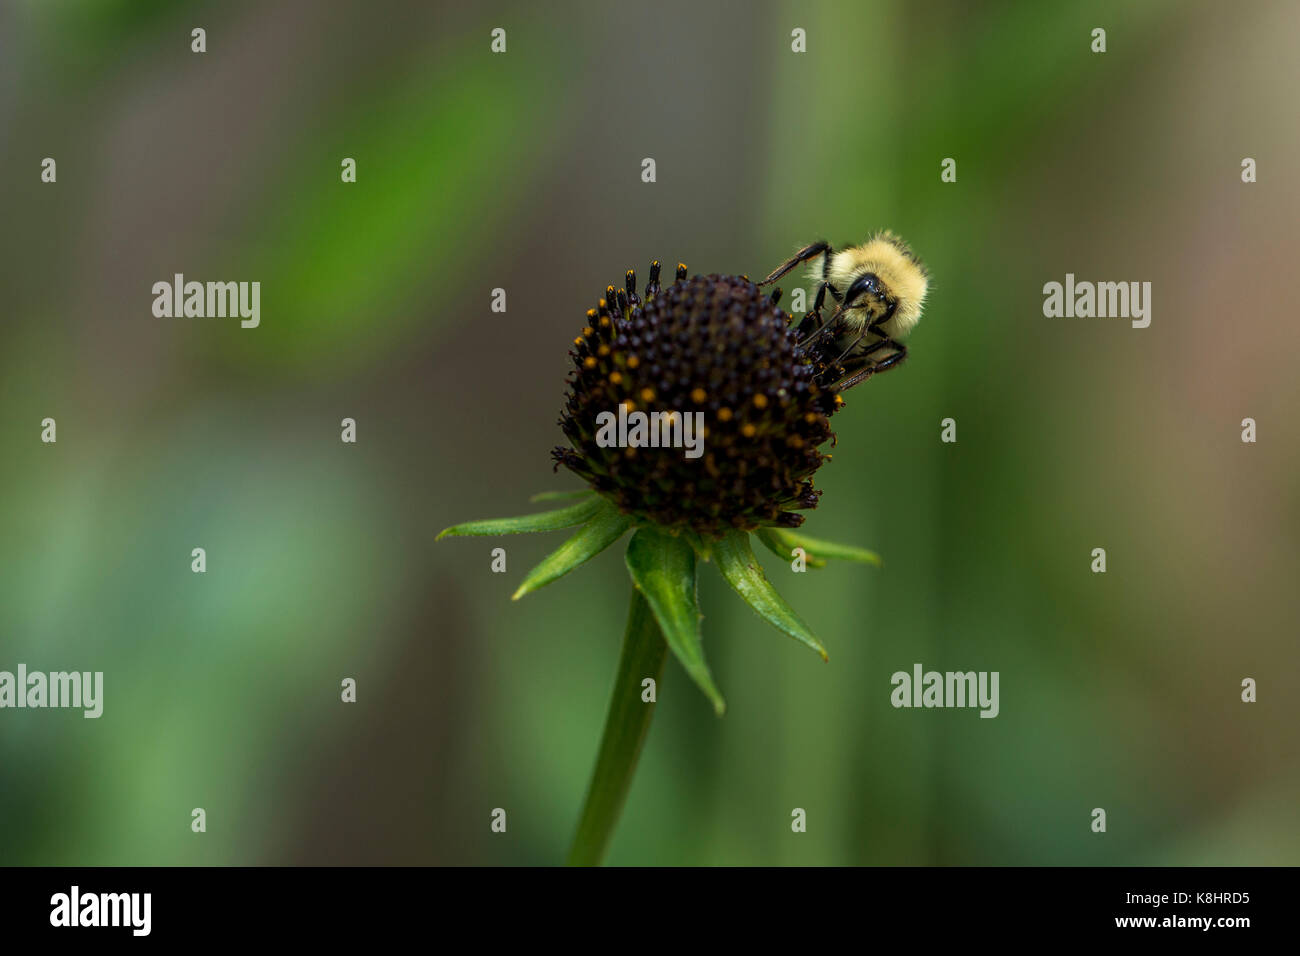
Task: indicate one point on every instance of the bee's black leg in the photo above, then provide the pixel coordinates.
(822, 288)
(887, 343)
(813, 320)
(895, 359)
(867, 351)
(821, 298)
(775, 297)
(813, 334)
(862, 367)
(843, 385)
(803, 255)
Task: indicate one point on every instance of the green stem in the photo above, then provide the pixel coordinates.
(626, 727)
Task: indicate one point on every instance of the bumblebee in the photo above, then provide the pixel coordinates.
(879, 288)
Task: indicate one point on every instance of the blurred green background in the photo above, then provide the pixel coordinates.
(522, 171)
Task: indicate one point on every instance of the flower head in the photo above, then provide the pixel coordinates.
(716, 347)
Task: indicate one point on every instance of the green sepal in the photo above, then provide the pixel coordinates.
(736, 561)
(663, 568)
(816, 550)
(542, 521)
(602, 530)
(770, 537)
(560, 495)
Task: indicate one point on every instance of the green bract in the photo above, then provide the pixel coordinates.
(663, 566)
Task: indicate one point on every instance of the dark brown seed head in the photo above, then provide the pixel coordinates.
(715, 345)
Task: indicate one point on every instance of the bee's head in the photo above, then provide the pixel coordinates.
(884, 286)
(868, 301)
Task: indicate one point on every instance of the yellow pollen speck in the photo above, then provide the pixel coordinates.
(838, 400)
(587, 330)
(591, 313)
(748, 430)
(698, 396)
(604, 304)
(615, 377)
(604, 320)
(724, 414)
(647, 394)
(794, 441)
(811, 418)
(628, 406)
(589, 361)
(603, 350)
(633, 361)
(577, 341)
(760, 401)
